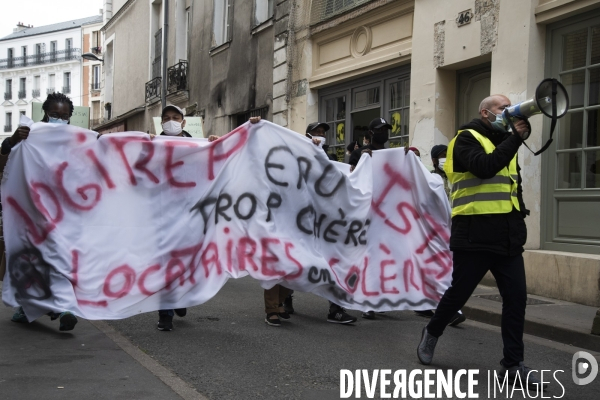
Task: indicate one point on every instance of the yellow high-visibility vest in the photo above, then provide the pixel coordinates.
(470, 195)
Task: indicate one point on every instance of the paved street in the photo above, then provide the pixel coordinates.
(226, 351)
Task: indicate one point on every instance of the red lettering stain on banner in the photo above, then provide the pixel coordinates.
(214, 157)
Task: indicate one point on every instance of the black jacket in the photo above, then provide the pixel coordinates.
(356, 154)
(503, 234)
(185, 134)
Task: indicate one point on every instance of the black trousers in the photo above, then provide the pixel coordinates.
(469, 269)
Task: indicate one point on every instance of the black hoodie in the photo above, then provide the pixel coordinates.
(503, 234)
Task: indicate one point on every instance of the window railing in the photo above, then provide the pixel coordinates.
(7, 128)
(39, 59)
(50, 90)
(177, 77)
(22, 94)
(97, 50)
(35, 93)
(153, 90)
(66, 89)
(7, 95)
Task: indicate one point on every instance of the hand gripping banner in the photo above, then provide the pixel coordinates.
(113, 227)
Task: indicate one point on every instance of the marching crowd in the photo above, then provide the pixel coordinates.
(482, 179)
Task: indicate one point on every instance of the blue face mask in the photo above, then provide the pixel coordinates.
(57, 120)
(497, 124)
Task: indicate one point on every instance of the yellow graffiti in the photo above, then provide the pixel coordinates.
(339, 132)
(396, 127)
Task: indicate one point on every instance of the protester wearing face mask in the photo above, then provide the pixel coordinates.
(316, 131)
(488, 232)
(58, 109)
(173, 122)
(378, 135)
(275, 306)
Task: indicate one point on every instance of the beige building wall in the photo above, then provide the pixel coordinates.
(357, 44)
(130, 59)
(514, 44)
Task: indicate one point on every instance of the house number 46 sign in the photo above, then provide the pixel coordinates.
(464, 18)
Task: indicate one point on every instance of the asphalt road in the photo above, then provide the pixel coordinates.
(226, 350)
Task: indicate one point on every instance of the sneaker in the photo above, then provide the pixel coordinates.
(524, 375)
(426, 313)
(53, 315)
(369, 315)
(181, 312)
(165, 323)
(457, 319)
(287, 305)
(19, 316)
(273, 321)
(426, 347)
(67, 321)
(340, 316)
(284, 316)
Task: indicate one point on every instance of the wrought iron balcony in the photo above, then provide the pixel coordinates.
(35, 93)
(40, 59)
(7, 128)
(153, 89)
(7, 95)
(97, 50)
(50, 90)
(66, 89)
(22, 94)
(177, 77)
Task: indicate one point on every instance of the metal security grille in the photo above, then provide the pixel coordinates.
(322, 10)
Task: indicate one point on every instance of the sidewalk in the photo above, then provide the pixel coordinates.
(552, 319)
(91, 362)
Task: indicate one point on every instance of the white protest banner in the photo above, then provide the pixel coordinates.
(113, 227)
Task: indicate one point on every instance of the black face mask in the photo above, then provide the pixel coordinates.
(381, 137)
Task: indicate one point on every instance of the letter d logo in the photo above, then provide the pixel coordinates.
(580, 367)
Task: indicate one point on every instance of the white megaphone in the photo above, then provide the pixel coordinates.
(551, 99)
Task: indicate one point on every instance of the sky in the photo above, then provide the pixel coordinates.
(44, 12)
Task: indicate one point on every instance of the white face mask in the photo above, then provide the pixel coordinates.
(441, 163)
(172, 128)
(322, 139)
(365, 143)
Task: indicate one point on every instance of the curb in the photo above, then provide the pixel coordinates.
(546, 331)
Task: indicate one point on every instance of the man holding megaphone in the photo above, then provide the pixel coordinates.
(488, 228)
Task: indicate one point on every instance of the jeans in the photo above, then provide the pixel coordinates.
(469, 269)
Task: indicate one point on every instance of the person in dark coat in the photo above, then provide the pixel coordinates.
(488, 230)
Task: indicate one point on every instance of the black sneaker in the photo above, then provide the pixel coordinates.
(284, 316)
(426, 347)
(165, 323)
(340, 316)
(67, 321)
(181, 312)
(457, 319)
(425, 313)
(521, 373)
(369, 315)
(273, 321)
(287, 305)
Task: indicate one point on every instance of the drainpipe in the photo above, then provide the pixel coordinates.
(163, 92)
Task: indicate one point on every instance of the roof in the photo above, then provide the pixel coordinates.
(61, 26)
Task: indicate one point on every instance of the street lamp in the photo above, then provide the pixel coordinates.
(91, 57)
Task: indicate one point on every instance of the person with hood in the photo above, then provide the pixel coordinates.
(488, 231)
